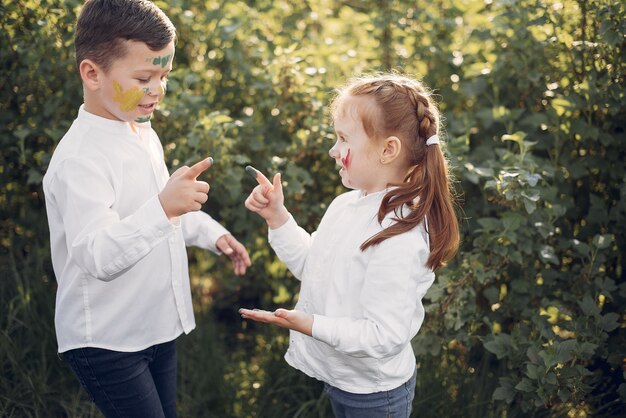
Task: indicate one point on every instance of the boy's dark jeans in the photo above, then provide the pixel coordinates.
(138, 384)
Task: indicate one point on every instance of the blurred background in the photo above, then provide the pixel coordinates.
(527, 321)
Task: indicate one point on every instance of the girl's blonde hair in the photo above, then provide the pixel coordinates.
(404, 108)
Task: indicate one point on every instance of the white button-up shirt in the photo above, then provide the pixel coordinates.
(367, 305)
(120, 264)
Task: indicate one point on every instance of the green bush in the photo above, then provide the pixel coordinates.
(527, 319)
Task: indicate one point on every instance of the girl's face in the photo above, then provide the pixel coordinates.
(135, 84)
(354, 151)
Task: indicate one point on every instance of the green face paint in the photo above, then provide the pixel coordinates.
(144, 119)
(161, 61)
(128, 99)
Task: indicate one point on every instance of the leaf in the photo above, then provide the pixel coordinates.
(426, 344)
(505, 392)
(564, 350)
(562, 106)
(549, 358)
(587, 349)
(483, 171)
(602, 241)
(21, 133)
(221, 119)
(609, 322)
(564, 394)
(512, 221)
(580, 247)
(508, 394)
(500, 345)
(492, 294)
(550, 378)
(588, 306)
(34, 176)
(532, 195)
(533, 371)
(606, 285)
(489, 224)
(517, 137)
(525, 385)
(533, 179)
(547, 254)
(530, 206)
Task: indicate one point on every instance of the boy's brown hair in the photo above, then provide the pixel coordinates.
(104, 25)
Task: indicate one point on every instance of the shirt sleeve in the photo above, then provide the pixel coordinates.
(291, 243)
(201, 230)
(98, 240)
(396, 279)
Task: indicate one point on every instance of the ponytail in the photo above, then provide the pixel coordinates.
(427, 192)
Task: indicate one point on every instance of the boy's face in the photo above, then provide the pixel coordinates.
(133, 86)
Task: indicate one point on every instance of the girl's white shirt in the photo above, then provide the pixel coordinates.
(367, 305)
(120, 264)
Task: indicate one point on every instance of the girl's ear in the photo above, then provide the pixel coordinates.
(90, 74)
(391, 149)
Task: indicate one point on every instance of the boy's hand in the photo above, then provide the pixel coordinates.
(267, 200)
(238, 254)
(295, 320)
(183, 193)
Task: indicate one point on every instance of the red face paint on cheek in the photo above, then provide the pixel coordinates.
(345, 161)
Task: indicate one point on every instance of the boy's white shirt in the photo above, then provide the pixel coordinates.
(367, 305)
(120, 264)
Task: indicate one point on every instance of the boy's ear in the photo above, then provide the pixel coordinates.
(90, 74)
(391, 149)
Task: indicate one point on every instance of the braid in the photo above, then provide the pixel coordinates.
(426, 114)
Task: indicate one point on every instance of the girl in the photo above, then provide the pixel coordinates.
(365, 270)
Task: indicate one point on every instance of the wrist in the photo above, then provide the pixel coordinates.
(167, 212)
(308, 328)
(278, 219)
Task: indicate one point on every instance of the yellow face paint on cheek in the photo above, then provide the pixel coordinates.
(128, 99)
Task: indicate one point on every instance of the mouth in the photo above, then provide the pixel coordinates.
(148, 108)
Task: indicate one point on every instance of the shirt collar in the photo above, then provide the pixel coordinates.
(376, 197)
(113, 126)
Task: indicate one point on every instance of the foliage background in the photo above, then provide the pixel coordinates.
(529, 318)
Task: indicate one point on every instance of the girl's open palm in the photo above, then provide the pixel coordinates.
(295, 320)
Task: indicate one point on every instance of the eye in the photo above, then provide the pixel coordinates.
(143, 80)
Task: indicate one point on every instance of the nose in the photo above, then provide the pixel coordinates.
(157, 89)
(334, 154)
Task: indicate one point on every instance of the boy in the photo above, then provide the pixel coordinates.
(119, 223)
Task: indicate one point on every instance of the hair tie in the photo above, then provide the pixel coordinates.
(432, 140)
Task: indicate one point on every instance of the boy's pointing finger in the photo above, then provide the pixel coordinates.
(198, 168)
